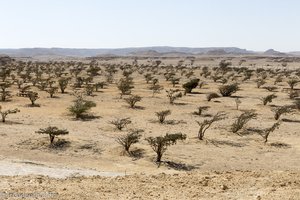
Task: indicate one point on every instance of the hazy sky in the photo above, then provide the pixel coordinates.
(251, 24)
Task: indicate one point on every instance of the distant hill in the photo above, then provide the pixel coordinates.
(138, 51)
(272, 52)
(151, 51)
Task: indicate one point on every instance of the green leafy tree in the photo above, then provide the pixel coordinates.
(52, 131)
(81, 107)
(160, 144)
(131, 138)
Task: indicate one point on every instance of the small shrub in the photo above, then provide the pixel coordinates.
(174, 81)
(63, 83)
(173, 95)
(155, 89)
(131, 138)
(270, 130)
(268, 99)
(292, 82)
(80, 107)
(51, 91)
(189, 86)
(132, 100)
(52, 131)
(121, 123)
(125, 85)
(242, 120)
(7, 112)
(200, 110)
(161, 143)
(33, 96)
(260, 82)
(162, 115)
(282, 110)
(211, 96)
(203, 126)
(293, 94)
(228, 90)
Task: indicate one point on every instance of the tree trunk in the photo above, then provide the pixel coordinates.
(51, 139)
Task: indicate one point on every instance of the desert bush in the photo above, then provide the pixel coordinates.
(270, 130)
(52, 131)
(174, 81)
(51, 91)
(162, 115)
(292, 82)
(155, 89)
(160, 144)
(5, 94)
(169, 75)
(282, 110)
(80, 107)
(216, 77)
(200, 110)
(211, 96)
(204, 125)
(189, 86)
(63, 83)
(173, 95)
(278, 79)
(121, 123)
(99, 85)
(148, 77)
(33, 96)
(125, 86)
(131, 138)
(268, 99)
(293, 94)
(4, 113)
(132, 100)
(228, 90)
(242, 120)
(260, 82)
(89, 89)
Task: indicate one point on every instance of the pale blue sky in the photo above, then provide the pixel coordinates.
(251, 24)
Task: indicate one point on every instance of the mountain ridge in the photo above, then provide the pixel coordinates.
(132, 51)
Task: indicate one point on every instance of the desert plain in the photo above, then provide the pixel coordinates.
(89, 163)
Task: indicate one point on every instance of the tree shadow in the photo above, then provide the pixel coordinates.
(8, 122)
(137, 154)
(138, 108)
(86, 117)
(33, 106)
(290, 120)
(178, 166)
(280, 145)
(60, 144)
(180, 104)
(219, 143)
(91, 147)
(195, 93)
(174, 122)
(54, 97)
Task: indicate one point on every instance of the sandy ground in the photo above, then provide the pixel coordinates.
(248, 167)
(247, 185)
